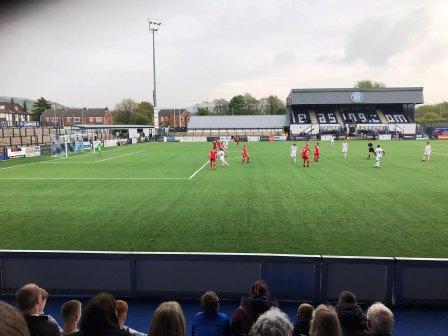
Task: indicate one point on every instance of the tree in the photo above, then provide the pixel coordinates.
(39, 107)
(138, 118)
(432, 112)
(123, 111)
(202, 111)
(368, 84)
(250, 104)
(236, 105)
(272, 105)
(203, 108)
(146, 109)
(220, 106)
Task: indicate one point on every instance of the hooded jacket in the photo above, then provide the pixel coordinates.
(248, 312)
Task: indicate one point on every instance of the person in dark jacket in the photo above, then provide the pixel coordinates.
(100, 318)
(251, 308)
(352, 318)
(304, 316)
(210, 322)
(29, 301)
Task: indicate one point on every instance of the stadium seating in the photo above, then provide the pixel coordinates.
(300, 117)
(360, 117)
(326, 118)
(397, 118)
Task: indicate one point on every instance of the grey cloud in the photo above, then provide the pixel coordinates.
(376, 40)
(285, 57)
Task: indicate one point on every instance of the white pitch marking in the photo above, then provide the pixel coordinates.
(197, 171)
(94, 178)
(119, 156)
(28, 164)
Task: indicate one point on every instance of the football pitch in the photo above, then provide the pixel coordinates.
(164, 197)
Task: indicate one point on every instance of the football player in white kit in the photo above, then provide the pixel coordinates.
(379, 153)
(332, 141)
(345, 148)
(293, 153)
(222, 157)
(427, 152)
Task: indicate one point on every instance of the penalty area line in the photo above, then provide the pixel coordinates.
(197, 171)
(119, 156)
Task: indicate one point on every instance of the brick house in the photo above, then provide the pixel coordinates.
(68, 117)
(12, 114)
(174, 117)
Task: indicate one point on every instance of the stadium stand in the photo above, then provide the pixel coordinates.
(242, 125)
(354, 112)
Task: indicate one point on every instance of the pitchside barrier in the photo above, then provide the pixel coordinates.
(312, 278)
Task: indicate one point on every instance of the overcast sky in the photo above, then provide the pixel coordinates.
(96, 52)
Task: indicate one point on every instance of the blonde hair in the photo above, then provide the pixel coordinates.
(168, 320)
(325, 322)
(380, 319)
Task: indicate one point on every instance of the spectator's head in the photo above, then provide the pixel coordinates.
(259, 287)
(210, 303)
(325, 322)
(347, 297)
(272, 323)
(11, 322)
(29, 299)
(44, 295)
(380, 320)
(71, 314)
(168, 320)
(122, 312)
(100, 314)
(305, 312)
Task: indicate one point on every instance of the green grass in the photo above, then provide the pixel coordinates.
(337, 206)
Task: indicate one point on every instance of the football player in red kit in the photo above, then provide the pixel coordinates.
(316, 153)
(245, 155)
(305, 155)
(215, 144)
(212, 159)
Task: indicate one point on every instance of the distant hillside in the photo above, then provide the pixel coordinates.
(29, 102)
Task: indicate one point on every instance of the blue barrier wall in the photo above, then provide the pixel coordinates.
(290, 277)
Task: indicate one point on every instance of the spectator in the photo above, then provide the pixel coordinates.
(11, 322)
(71, 314)
(251, 308)
(44, 294)
(29, 302)
(272, 323)
(304, 316)
(325, 322)
(100, 317)
(380, 320)
(210, 322)
(352, 318)
(168, 320)
(122, 313)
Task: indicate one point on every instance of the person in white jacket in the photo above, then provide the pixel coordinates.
(427, 152)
